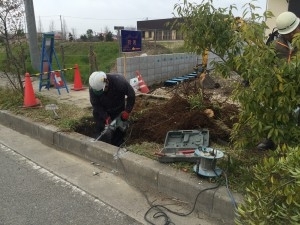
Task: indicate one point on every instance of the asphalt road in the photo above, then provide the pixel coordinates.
(33, 195)
(42, 185)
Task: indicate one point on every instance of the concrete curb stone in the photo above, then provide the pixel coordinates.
(138, 170)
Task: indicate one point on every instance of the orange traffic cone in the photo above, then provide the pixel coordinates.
(29, 96)
(77, 79)
(142, 85)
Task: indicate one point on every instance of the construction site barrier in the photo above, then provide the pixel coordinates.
(52, 71)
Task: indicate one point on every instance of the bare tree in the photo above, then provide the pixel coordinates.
(64, 29)
(51, 26)
(74, 33)
(106, 29)
(12, 36)
(40, 26)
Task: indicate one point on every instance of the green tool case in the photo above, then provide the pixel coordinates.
(180, 145)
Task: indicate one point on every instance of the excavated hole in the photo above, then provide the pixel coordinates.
(153, 117)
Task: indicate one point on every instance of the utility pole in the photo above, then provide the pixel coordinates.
(32, 34)
(61, 29)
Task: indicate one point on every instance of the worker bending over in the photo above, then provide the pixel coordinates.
(108, 94)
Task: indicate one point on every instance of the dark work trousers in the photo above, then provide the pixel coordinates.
(118, 137)
(115, 138)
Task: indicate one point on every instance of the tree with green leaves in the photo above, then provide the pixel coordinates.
(101, 37)
(89, 34)
(267, 104)
(71, 38)
(83, 37)
(109, 36)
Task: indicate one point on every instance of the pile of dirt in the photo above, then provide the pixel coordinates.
(156, 116)
(154, 122)
(167, 109)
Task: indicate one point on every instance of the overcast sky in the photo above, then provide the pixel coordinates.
(82, 15)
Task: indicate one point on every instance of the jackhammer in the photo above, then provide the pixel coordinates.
(117, 123)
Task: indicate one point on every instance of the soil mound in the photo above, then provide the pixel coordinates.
(176, 114)
(167, 109)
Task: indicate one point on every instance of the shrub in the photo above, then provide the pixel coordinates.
(273, 197)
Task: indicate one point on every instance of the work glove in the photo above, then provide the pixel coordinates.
(107, 120)
(124, 115)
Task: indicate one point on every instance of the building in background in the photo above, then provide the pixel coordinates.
(159, 30)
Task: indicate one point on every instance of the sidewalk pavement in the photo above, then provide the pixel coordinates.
(138, 170)
(79, 98)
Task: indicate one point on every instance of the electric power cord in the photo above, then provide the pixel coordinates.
(161, 213)
(226, 180)
(229, 192)
(227, 183)
(161, 209)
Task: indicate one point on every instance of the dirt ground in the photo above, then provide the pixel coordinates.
(156, 116)
(166, 109)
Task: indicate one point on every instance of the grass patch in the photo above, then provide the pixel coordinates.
(69, 115)
(106, 53)
(174, 46)
(71, 53)
(147, 149)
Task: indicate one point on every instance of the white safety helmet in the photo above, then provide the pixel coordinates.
(287, 22)
(97, 81)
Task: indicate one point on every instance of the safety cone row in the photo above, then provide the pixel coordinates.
(77, 80)
(142, 85)
(30, 101)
